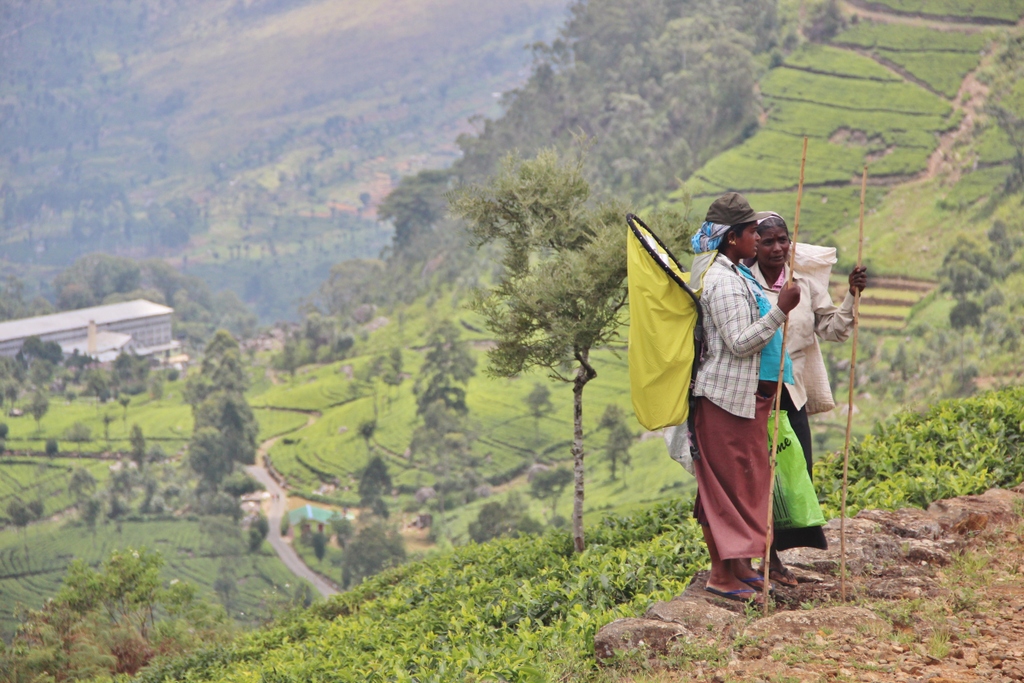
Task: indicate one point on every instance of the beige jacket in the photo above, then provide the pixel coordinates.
(815, 316)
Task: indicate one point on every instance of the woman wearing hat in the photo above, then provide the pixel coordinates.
(813, 318)
(735, 386)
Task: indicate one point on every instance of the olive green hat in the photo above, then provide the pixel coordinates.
(731, 208)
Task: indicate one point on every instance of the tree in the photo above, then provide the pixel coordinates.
(538, 401)
(89, 512)
(549, 485)
(78, 432)
(19, 513)
(207, 459)
(38, 407)
(367, 428)
(502, 519)
(561, 292)
(343, 530)
(52, 447)
(447, 366)
(225, 429)
(125, 401)
(258, 531)
(82, 484)
(374, 484)
(415, 206)
(138, 446)
(375, 548)
(620, 437)
(319, 541)
(111, 621)
(107, 419)
(1012, 125)
(34, 348)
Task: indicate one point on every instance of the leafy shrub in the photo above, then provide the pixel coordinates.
(240, 484)
(482, 612)
(52, 448)
(956, 448)
(77, 433)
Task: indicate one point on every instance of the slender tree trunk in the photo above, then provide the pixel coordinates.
(584, 373)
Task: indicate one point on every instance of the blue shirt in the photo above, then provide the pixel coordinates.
(770, 353)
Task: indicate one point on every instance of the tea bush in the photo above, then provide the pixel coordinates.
(957, 447)
(511, 609)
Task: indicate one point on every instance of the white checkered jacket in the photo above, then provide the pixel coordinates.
(734, 334)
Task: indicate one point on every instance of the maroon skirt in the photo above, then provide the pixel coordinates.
(733, 477)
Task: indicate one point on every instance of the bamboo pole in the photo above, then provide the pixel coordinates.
(849, 405)
(778, 389)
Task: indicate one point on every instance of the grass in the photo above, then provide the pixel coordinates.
(855, 94)
(977, 185)
(901, 37)
(1005, 11)
(854, 110)
(44, 479)
(167, 421)
(825, 59)
(33, 562)
(942, 71)
(506, 439)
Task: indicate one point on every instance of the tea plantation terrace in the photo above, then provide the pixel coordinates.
(103, 332)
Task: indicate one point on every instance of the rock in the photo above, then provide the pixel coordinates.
(974, 513)
(483, 491)
(906, 523)
(363, 313)
(424, 494)
(534, 470)
(923, 550)
(630, 634)
(698, 616)
(799, 622)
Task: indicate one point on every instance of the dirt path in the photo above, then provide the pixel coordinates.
(278, 508)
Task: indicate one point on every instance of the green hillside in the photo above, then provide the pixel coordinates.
(931, 105)
(34, 561)
(527, 609)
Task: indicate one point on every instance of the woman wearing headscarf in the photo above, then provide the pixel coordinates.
(814, 317)
(734, 389)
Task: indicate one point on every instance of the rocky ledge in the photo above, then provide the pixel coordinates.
(895, 556)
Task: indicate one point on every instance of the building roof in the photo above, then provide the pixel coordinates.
(311, 513)
(105, 341)
(70, 320)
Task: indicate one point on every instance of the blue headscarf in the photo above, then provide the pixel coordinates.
(708, 237)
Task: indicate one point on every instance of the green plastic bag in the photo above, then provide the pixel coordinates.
(795, 503)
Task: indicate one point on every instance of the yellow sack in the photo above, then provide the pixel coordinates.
(663, 314)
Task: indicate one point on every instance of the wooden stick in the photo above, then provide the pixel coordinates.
(778, 389)
(849, 405)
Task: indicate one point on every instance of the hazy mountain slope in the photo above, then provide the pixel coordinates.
(215, 131)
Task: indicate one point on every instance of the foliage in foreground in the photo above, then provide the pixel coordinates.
(955, 448)
(115, 620)
(524, 608)
(509, 609)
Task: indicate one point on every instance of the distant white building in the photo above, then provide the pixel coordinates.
(101, 332)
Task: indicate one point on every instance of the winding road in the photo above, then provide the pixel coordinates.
(278, 509)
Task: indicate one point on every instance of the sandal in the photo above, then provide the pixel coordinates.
(735, 595)
(759, 579)
(785, 577)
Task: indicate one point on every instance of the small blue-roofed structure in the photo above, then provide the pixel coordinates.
(305, 517)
